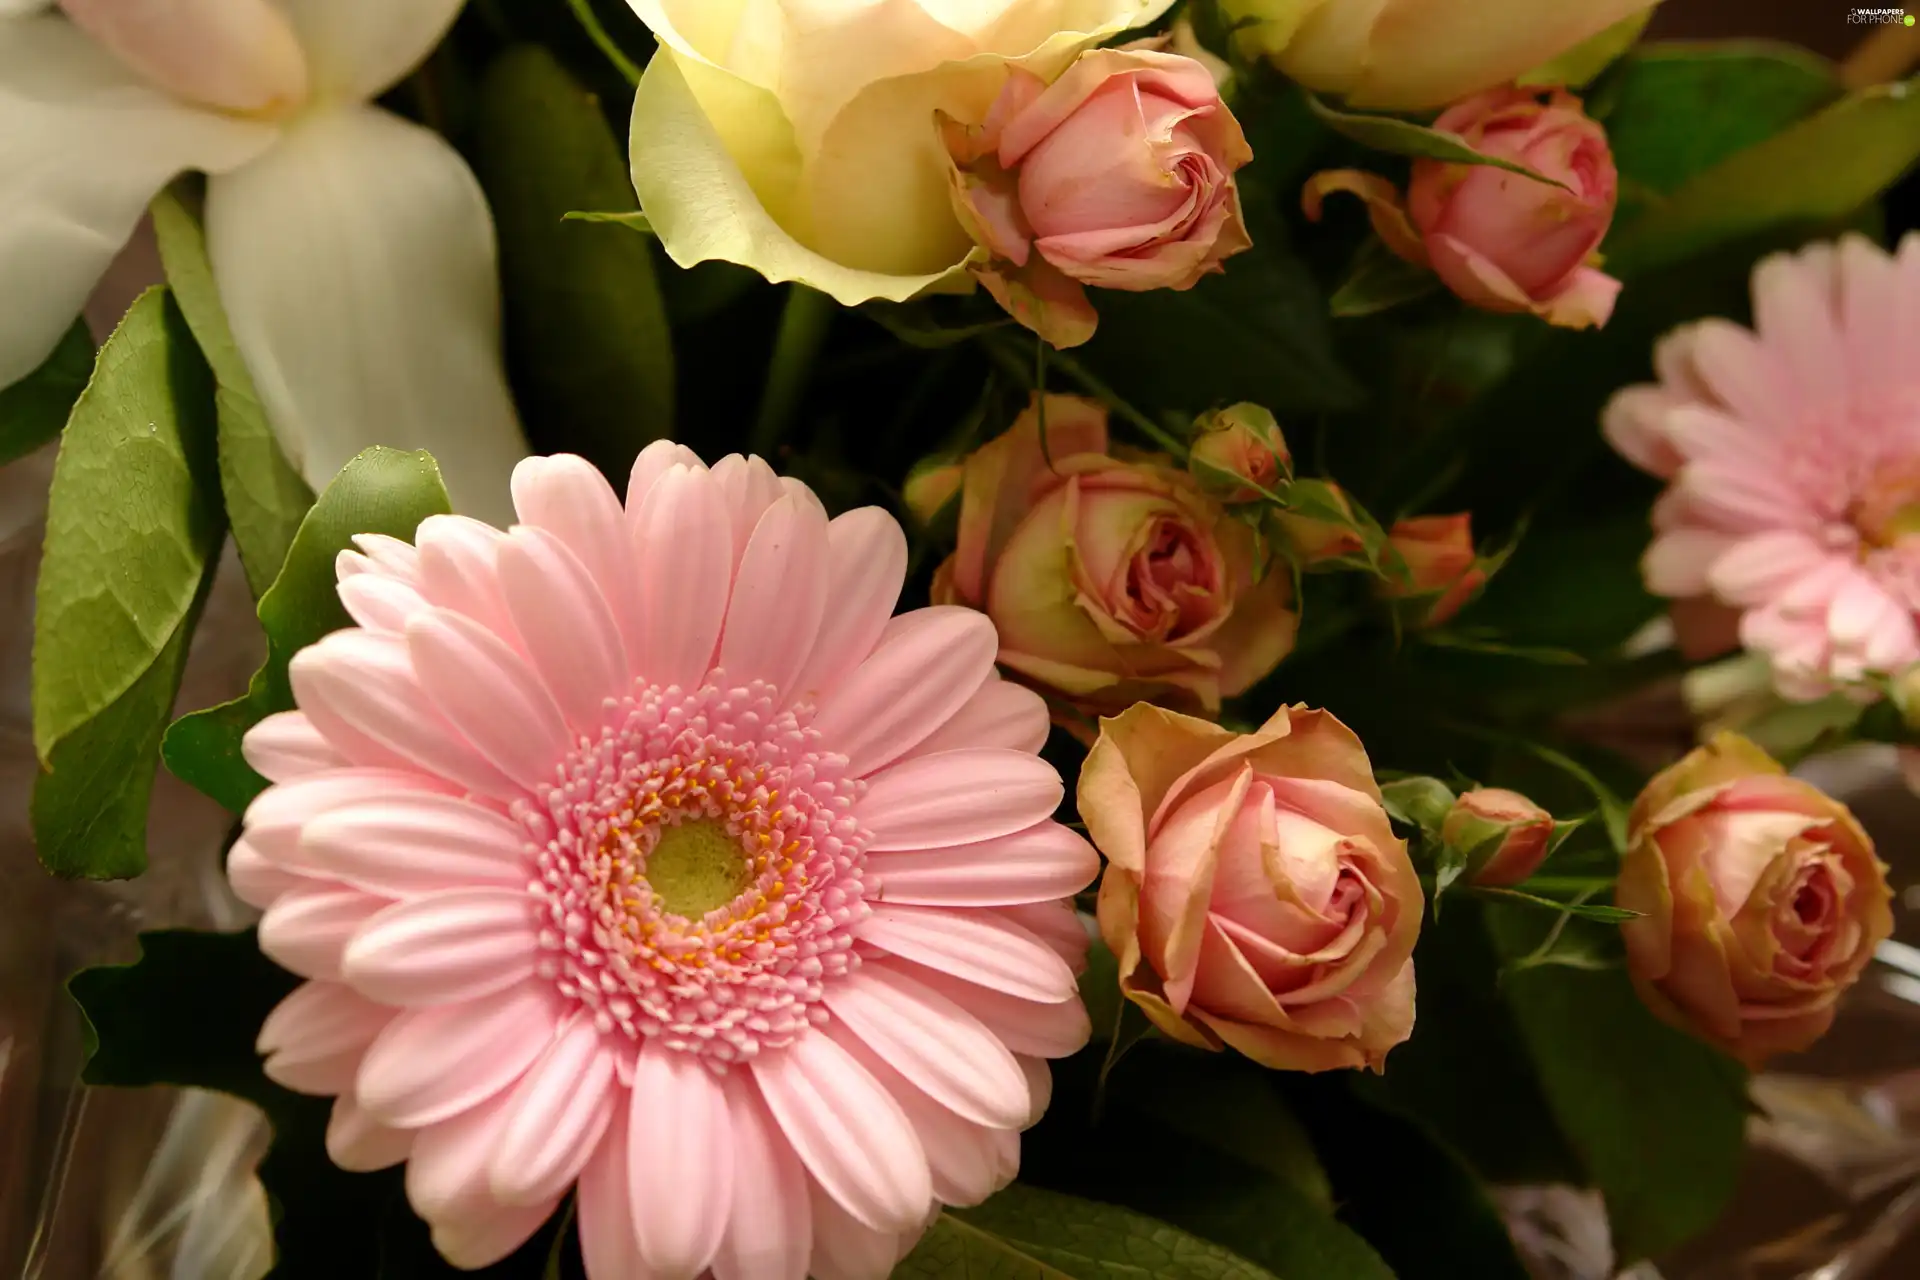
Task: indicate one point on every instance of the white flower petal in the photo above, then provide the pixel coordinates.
(356, 262)
(357, 49)
(83, 147)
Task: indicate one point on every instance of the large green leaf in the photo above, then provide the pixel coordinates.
(1657, 1117)
(1417, 141)
(133, 525)
(33, 410)
(186, 1013)
(1025, 1233)
(587, 337)
(1818, 170)
(1676, 110)
(380, 491)
(265, 496)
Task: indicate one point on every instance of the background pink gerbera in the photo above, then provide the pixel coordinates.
(1794, 455)
(643, 850)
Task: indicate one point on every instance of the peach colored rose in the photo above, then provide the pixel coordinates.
(1443, 568)
(1238, 453)
(1501, 240)
(1761, 900)
(1111, 579)
(1119, 174)
(1255, 894)
(1506, 834)
(1316, 541)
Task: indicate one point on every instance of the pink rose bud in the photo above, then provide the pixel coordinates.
(1316, 541)
(1111, 580)
(1505, 834)
(1443, 568)
(1761, 900)
(1255, 894)
(1502, 240)
(1238, 453)
(1119, 174)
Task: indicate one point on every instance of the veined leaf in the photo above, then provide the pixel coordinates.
(380, 491)
(265, 496)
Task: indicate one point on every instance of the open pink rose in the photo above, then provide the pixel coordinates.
(1111, 580)
(1761, 900)
(1502, 240)
(1119, 174)
(1255, 894)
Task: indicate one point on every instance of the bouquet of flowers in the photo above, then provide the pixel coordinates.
(964, 638)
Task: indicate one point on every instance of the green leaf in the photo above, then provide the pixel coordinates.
(1600, 913)
(635, 221)
(380, 491)
(1818, 170)
(133, 525)
(33, 410)
(1405, 138)
(1658, 1118)
(1675, 110)
(265, 496)
(1417, 801)
(1028, 1234)
(1258, 332)
(1591, 56)
(587, 338)
(1380, 280)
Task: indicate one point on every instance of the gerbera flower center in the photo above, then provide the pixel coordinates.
(699, 870)
(1887, 507)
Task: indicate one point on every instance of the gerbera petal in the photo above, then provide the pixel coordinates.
(314, 1039)
(844, 1248)
(934, 1043)
(655, 461)
(555, 1118)
(390, 556)
(360, 1144)
(460, 570)
(1044, 862)
(257, 881)
(960, 1153)
(369, 683)
(356, 264)
(486, 1235)
(1859, 608)
(444, 947)
(1743, 374)
(448, 1169)
(867, 565)
(1753, 569)
(403, 845)
(1055, 923)
(1678, 563)
(488, 693)
(1039, 1085)
(957, 797)
(680, 1179)
(378, 602)
(608, 1246)
(769, 1232)
(748, 488)
(684, 555)
(433, 1063)
(570, 634)
(568, 498)
(306, 930)
(973, 945)
(999, 714)
(1794, 311)
(276, 818)
(849, 1132)
(779, 595)
(926, 667)
(84, 144)
(285, 746)
(1874, 316)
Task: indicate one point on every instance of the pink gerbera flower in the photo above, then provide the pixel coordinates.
(1794, 453)
(644, 852)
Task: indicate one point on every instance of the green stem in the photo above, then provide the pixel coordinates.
(1566, 884)
(796, 347)
(1017, 364)
(590, 23)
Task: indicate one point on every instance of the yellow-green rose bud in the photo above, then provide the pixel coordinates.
(1238, 453)
(1505, 834)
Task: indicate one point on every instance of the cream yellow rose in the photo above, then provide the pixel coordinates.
(1411, 54)
(797, 137)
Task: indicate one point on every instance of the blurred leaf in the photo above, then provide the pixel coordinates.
(588, 343)
(186, 1013)
(1597, 912)
(133, 528)
(635, 221)
(1591, 56)
(379, 491)
(1257, 332)
(33, 410)
(1675, 110)
(1658, 1118)
(265, 496)
(1480, 641)
(1819, 169)
(1417, 801)
(1025, 1233)
(1378, 281)
(1405, 138)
